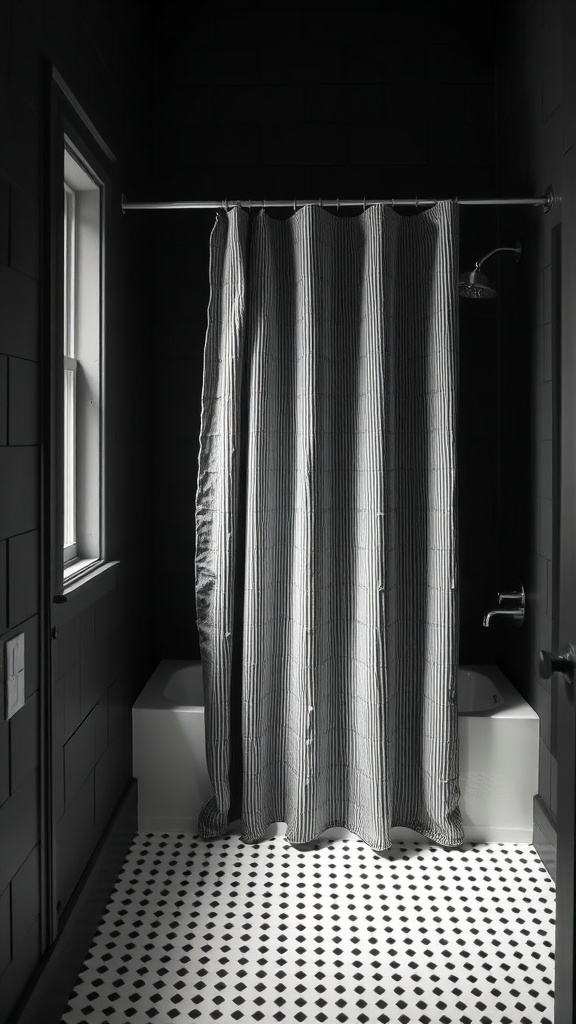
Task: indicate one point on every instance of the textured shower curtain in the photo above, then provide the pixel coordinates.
(326, 576)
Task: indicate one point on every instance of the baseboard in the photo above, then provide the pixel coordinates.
(545, 839)
(497, 834)
(178, 823)
(59, 969)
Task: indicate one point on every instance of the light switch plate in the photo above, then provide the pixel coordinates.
(14, 679)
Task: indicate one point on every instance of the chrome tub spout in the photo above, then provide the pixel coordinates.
(517, 614)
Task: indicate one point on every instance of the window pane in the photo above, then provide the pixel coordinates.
(69, 457)
(82, 343)
(69, 270)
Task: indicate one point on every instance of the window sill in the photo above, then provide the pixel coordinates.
(82, 591)
(78, 570)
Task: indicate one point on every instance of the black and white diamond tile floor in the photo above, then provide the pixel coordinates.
(332, 932)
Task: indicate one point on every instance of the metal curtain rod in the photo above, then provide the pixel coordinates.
(547, 201)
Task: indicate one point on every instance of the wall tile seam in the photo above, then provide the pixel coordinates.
(4, 634)
(36, 529)
(86, 716)
(31, 192)
(16, 792)
(15, 627)
(551, 112)
(6, 888)
(31, 770)
(69, 803)
(111, 741)
(15, 270)
(23, 947)
(24, 359)
(16, 951)
(12, 444)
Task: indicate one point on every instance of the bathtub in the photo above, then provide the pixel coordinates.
(498, 733)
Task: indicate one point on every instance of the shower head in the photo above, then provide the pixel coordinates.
(473, 284)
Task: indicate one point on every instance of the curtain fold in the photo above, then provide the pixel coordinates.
(326, 570)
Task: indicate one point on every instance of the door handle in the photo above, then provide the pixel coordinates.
(563, 661)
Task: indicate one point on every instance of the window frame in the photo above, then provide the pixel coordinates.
(83, 350)
(70, 546)
(72, 130)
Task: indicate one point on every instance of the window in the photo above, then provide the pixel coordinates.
(82, 340)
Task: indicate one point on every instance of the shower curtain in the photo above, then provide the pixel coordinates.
(326, 575)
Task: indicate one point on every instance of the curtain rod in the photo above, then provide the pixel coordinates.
(546, 201)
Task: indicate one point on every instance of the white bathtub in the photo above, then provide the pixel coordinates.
(498, 755)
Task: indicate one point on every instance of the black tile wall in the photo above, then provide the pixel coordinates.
(104, 54)
(4, 217)
(19, 472)
(23, 576)
(3, 400)
(23, 411)
(5, 938)
(112, 769)
(19, 305)
(76, 839)
(25, 957)
(19, 828)
(24, 233)
(324, 108)
(535, 131)
(24, 742)
(79, 757)
(67, 690)
(4, 760)
(26, 896)
(3, 583)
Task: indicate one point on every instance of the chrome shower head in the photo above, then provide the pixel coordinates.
(475, 285)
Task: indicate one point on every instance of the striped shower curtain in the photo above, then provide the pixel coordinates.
(326, 575)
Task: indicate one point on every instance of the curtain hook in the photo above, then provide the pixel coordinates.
(294, 205)
(338, 205)
(417, 202)
(393, 204)
(320, 202)
(263, 204)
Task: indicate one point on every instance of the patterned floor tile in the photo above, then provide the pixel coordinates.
(334, 932)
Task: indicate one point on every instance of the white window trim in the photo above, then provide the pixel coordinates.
(70, 493)
(70, 375)
(83, 359)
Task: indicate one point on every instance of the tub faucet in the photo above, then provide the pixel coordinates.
(516, 614)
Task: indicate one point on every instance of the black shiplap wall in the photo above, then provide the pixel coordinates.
(102, 654)
(330, 99)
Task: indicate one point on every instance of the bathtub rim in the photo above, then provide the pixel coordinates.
(152, 698)
(513, 705)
